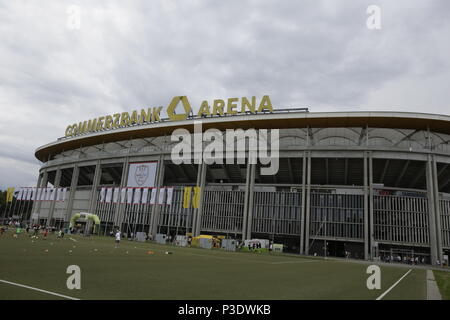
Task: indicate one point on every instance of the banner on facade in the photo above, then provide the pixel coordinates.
(153, 196)
(187, 197)
(137, 196)
(48, 194)
(108, 197)
(196, 199)
(52, 194)
(123, 195)
(162, 192)
(43, 194)
(142, 174)
(116, 195)
(102, 194)
(169, 195)
(64, 192)
(30, 191)
(144, 195)
(129, 195)
(10, 195)
(20, 195)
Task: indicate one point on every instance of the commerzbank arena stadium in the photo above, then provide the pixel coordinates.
(362, 184)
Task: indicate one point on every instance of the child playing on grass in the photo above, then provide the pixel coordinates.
(117, 239)
(16, 234)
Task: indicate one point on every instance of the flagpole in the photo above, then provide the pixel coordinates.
(33, 195)
(126, 211)
(108, 209)
(15, 204)
(112, 208)
(6, 207)
(137, 203)
(148, 211)
(21, 205)
(28, 200)
(105, 217)
(24, 206)
(99, 205)
(10, 206)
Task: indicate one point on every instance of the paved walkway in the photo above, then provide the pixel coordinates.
(432, 288)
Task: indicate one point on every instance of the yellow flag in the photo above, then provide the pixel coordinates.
(196, 200)
(187, 197)
(10, 195)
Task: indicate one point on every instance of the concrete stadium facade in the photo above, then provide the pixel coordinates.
(368, 183)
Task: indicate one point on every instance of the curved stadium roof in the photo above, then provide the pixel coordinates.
(380, 119)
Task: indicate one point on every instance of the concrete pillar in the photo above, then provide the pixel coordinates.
(437, 210)
(431, 211)
(371, 219)
(198, 213)
(308, 202)
(73, 189)
(120, 208)
(35, 203)
(43, 182)
(95, 184)
(302, 217)
(195, 212)
(157, 208)
(52, 204)
(250, 201)
(366, 209)
(248, 190)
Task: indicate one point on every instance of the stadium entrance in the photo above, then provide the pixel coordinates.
(403, 254)
(337, 248)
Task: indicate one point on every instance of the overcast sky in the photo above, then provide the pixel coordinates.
(132, 54)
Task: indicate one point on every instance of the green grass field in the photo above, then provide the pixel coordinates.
(443, 281)
(129, 272)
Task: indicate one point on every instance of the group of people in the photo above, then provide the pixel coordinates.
(32, 230)
(405, 259)
(254, 246)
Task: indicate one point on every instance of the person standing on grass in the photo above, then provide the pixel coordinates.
(36, 231)
(16, 234)
(117, 238)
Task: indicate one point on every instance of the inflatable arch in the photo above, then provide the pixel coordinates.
(85, 215)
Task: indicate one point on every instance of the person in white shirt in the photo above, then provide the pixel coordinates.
(117, 238)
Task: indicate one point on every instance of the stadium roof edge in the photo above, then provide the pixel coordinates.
(385, 119)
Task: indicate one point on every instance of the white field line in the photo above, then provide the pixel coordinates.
(392, 287)
(37, 289)
(283, 262)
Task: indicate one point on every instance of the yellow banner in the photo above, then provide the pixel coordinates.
(187, 197)
(196, 200)
(10, 195)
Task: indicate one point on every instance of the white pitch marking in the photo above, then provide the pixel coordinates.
(392, 287)
(37, 289)
(283, 262)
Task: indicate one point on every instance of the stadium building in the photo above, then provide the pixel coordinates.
(368, 184)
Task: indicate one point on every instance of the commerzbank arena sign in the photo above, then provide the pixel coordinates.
(218, 107)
